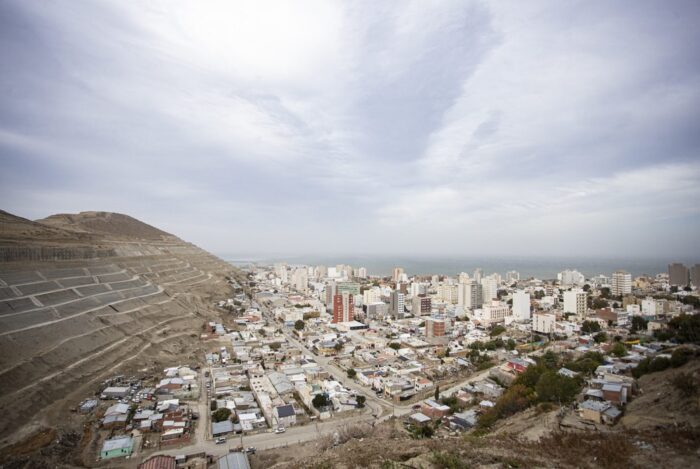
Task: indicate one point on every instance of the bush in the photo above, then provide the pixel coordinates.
(619, 349)
(352, 373)
(320, 400)
(686, 328)
(685, 383)
(553, 387)
(497, 330)
(648, 365)
(299, 325)
(395, 345)
(448, 460)
(680, 356)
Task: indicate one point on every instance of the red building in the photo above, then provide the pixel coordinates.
(343, 307)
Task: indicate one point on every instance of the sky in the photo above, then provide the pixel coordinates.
(443, 128)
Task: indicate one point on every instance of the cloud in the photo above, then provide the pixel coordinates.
(451, 128)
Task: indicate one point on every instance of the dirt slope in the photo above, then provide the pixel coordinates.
(86, 296)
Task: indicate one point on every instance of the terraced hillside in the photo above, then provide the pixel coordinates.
(83, 295)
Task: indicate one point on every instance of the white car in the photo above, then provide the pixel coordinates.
(220, 441)
(280, 430)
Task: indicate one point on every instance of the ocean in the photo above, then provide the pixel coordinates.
(542, 268)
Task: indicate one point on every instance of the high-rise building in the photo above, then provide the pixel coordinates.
(281, 272)
(571, 277)
(677, 275)
(300, 279)
(330, 293)
(621, 283)
(372, 295)
(343, 307)
(512, 277)
(447, 293)
(490, 288)
(470, 295)
(396, 305)
(418, 288)
(421, 305)
(362, 272)
(521, 306)
(463, 277)
(695, 275)
(477, 275)
(434, 327)
(397, 274)
(575, 302)
(351, 287)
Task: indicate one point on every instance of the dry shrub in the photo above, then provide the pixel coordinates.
(587, 448)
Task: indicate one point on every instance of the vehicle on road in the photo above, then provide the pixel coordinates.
(250, 449)
(416, 406)
(280, 430)
(220, 441)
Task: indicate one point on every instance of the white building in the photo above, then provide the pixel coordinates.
(372, 295)
(621, 283)
(489, 285)
(521, 306)
(543, 322)
(571, 277)
(447, 293)
(649, 306)
(494, 312)
(300, 279)
(575, 302)
(512, 277)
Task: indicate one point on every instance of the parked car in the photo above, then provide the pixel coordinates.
(220, 440)
(280, 430)
(250, 449)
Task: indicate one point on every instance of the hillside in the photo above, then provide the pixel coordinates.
(89, 295)
(106, 223)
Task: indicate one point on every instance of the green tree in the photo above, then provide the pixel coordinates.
(220, 415)
(361, 401)
(589, 327)
(530, 376)
(619, 349)
(352, 373)
(638, 324)
(395, 345)
(299, 325)
(437, 393)
(600, 337)
(497, 330)
(275, 346)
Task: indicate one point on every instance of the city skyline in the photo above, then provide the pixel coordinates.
(447, 129)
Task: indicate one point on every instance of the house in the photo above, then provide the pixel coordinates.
(237, 460)
(115, 392)
(599, 412)
(517, 365)
(434, 410)
(117, 447)
(286, 416)
(221, 428)
(159, 462)
(615, 393)
(463, 420)
(420, 419)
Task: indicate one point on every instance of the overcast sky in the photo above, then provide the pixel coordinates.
(406, 128)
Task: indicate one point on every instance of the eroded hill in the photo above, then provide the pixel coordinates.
(83, 296)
